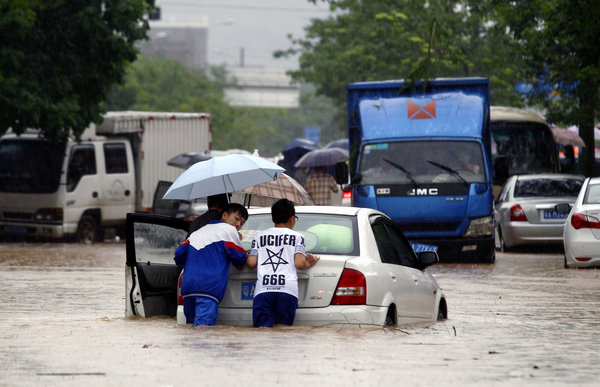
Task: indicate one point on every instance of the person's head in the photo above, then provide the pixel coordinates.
(217, 202)
(234, 214)
(282, 210)
(569, 152)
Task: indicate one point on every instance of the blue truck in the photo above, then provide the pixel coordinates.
(421, 153)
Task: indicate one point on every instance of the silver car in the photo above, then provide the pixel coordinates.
(368, 272)
(525, 212)
(582, 228)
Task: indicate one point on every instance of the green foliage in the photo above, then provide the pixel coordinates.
(58, 60)
(156, 84)
(405, 39)
(559, 41)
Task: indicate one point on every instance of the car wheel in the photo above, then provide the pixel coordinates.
(87, 230)
(503, 248)
(565, 258)
(389, 318)
(441, 315)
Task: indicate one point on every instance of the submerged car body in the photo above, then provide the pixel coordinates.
(582, 228)
(525, 211)
(367, 274)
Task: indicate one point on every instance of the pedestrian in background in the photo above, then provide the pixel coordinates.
(215, 204)
(319, 186)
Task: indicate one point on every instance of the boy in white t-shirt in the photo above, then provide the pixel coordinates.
(277, 252)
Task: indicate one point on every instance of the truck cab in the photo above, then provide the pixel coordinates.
(422, 155)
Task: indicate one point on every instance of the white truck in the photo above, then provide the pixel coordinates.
(79, 190)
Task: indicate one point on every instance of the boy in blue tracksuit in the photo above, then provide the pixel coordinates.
(206, 256)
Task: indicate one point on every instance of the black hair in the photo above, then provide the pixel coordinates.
(219, 201)
(236, 207)
(282, 210)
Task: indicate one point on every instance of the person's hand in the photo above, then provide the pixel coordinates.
(312, 259)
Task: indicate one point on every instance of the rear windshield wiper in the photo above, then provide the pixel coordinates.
(400, 167)
(448, 169)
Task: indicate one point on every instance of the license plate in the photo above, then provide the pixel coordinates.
(15, 229)
(418, 247)
(548, 214)
(248, 290)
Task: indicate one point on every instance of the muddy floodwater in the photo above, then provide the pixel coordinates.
(522, 321)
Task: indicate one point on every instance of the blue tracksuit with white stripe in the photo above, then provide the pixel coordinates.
(206, 256)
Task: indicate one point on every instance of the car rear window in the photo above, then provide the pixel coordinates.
(323, 233)
(547, 187)
(593, 194)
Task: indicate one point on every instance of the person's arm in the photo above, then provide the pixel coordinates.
(302, 261)
(333, 185)
(181, 253)
(252, 261)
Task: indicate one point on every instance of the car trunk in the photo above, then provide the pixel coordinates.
(316, 286)
(544, 212)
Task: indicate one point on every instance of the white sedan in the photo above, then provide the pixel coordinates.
(368, 273)
(582, 229)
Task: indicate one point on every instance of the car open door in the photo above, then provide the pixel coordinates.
(151, 274)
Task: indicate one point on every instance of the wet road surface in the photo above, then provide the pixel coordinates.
(522, 321)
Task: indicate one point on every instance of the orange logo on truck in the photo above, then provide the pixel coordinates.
(416, 112)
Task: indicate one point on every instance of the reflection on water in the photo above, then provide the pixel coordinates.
(523, 320)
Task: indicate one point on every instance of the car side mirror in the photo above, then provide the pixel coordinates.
(427, 258)
(341, 172)
(563, 208)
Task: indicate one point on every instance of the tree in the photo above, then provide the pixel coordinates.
(559, 40)
(167, 85)
(59, 59)
(404, 39)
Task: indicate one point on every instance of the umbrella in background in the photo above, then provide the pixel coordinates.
(322, 157)
(341, 143)
(223, 174)
(567, 137)
(297, 148)
(186, 160)
(267, 193)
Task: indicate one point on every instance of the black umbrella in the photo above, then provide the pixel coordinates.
(341, 143)
(322, 157)
(297, 148)
(186, 160)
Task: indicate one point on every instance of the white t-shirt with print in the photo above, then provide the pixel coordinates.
(275, 249)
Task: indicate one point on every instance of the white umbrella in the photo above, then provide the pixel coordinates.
(222, 174)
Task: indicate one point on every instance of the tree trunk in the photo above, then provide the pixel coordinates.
(588, 103)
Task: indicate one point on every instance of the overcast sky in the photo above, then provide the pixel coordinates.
(258, 27)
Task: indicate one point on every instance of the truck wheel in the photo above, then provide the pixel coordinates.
(87, 230)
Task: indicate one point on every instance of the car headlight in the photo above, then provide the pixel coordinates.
(480, 227)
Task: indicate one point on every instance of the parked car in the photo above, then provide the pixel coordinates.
(525, 211)
(582, 228)
(367, 274)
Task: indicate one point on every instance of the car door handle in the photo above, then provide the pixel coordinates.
(393, 275)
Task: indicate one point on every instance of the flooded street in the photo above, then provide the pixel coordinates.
(524, 320)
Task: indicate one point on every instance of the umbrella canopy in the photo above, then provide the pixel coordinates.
(222, 174)
(322, 157)
(342, 143)
(267, 193)
(567, 137)
(297, 148)
(186, 160)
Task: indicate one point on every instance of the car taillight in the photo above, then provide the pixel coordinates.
(517, 214)
(347, 195)
(584, 221)
(351, 289)
(179, 297)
